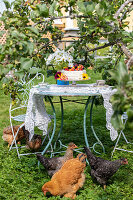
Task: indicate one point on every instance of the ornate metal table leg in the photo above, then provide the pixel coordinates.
(60, 131)
(50, 140)
(85, 135)
(98, 141)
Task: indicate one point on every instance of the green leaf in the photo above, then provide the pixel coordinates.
(10, 66)
(90, 8)
(99, 10)
(5, 80)
(97, 7)
(130, 45)
(130, 114)
(22, 35)
(122, 70)
(2, 33)
(33, 15)
(13, 20)
(33, 30)
(34, 70)
(30, 47)
(43, 10)
(52, 8)
(81, 6)
(7, 4)
(15, 33)
(19, 74)
(5, 70)
(116, 122)
(26, 63)
(121, 74)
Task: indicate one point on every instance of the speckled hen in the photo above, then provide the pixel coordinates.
(102, 169)
(52, 165)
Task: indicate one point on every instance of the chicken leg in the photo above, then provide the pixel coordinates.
(104, 187)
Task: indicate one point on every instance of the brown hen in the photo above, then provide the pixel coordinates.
(8, 135)
(68, 179)
(36, 141)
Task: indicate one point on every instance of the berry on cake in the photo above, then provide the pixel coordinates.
(75, 73)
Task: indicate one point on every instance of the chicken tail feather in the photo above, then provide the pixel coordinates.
(41, 159)
(26, 133)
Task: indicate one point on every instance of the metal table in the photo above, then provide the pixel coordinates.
(88, 90)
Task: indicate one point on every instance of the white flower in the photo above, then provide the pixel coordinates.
(58, 56)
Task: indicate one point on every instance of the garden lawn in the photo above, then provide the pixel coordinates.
(21, 179)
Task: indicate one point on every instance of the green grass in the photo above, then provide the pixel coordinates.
(22, 180)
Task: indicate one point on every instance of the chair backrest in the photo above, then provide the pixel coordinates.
(25, 85)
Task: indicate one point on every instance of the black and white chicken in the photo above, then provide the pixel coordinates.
(102, 169)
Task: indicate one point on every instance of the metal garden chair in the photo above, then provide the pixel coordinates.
(17, 112)
(124, 119)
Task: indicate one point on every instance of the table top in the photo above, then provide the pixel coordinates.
(71, 90)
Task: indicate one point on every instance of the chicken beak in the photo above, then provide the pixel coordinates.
(75, 147)
(44, 192)
(44, 189)
(126, 163)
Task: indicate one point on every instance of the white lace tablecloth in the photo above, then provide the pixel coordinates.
(36, 114)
